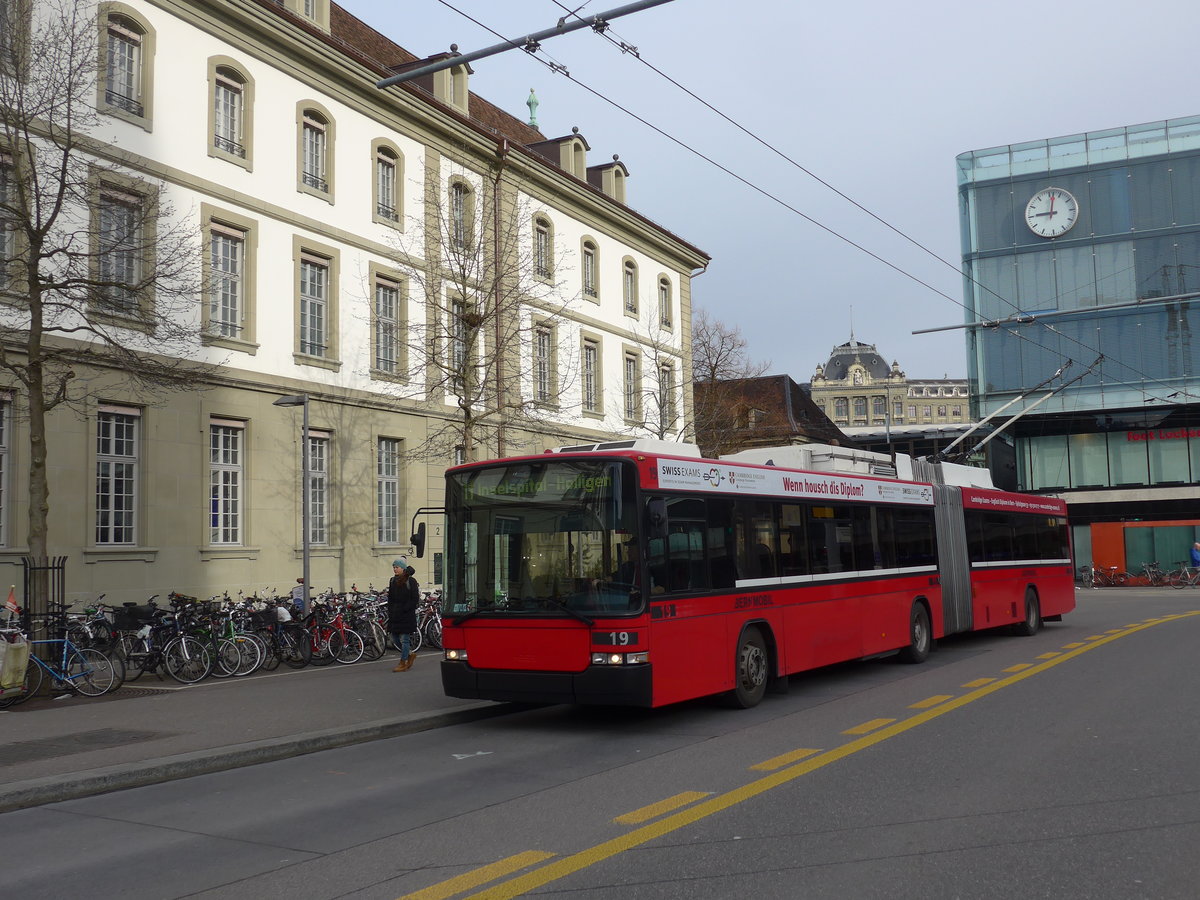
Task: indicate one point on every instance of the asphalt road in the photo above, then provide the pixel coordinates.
(1062, 765)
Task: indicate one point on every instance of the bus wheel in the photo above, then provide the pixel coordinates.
(751, 673)
(1033, 615)
(920, 636)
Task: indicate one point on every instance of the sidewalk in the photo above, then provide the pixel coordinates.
(155, 730)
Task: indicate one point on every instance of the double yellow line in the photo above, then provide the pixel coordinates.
(805, 762)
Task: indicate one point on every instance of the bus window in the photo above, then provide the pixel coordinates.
(831, 539)
(722, 565)
(866, 549)
(756, 543)
(793, 550)
(997, 537)
(677, 561)
(914, 538)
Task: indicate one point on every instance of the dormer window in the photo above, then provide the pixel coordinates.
(316, 11)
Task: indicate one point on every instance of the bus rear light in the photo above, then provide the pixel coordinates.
(619, 659)
(457, 655)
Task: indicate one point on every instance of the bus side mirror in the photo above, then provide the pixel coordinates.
(656, 518)
(418, 540)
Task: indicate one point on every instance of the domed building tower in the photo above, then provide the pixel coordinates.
(856, 388)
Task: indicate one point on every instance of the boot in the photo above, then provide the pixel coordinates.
(412, 658)
(401, 666)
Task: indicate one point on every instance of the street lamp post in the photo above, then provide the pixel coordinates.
(302, 400)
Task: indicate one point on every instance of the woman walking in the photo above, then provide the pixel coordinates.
(403, 595)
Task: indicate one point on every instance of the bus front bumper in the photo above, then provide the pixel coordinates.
(628, 685)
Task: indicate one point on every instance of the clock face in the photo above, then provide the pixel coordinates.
(1051, 212)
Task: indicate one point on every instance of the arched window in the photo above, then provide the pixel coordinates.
(232, 96)
(629, 286)
(664, 302)
(314, 151)
(591, 287)
(125, 83)
(388, 175)
(543, 247)
(461, 215)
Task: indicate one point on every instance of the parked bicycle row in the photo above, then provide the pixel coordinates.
(1149, 574)
(93, 652)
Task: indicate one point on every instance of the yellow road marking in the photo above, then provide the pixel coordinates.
(1094, 637)
(476, 877)
(932, 701)
(654, 810)
(778, 762)
(979, 682)
(873, 725)
(568, 865)
(1117, 630)
(1072, 646)
(1049, 655)
(1020, 666)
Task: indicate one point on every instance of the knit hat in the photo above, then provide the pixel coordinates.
(401, 562)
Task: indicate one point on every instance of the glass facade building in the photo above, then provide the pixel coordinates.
(1087, 248)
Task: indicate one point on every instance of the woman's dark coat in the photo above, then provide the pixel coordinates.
(403, 597)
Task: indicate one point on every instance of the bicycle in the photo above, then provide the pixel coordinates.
(1189, 576)
(1109, 577)
(150, 639)
(81, 670)
(1153, 575)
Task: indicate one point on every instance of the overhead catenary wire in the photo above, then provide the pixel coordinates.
(626, 50)
(1020, 318)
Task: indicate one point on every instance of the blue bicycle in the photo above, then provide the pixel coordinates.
(82, 670)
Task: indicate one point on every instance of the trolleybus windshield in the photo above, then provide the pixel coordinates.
(551, 538)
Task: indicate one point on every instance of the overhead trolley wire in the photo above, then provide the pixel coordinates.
(628, 49)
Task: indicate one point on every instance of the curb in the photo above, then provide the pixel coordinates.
(56, 788)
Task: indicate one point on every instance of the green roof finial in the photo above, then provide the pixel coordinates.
(532, 103)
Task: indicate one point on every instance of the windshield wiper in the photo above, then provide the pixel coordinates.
(571, 612)
(458, 620)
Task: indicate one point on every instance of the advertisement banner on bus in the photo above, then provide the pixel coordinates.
(728, 479)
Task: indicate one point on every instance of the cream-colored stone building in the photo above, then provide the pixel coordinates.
(856, 387)
(315, 200)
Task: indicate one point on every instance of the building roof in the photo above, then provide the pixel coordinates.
(788, 412)
(845, 355)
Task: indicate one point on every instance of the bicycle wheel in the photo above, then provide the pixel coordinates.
(326, 647)
(118, 664)
(414, 641)
(295, 644)
(374, 641)
(433, 632)
(273, 655)
(187, 660)
(351, 650)
(226, 658)
(90, 672)
(252, 655)
(31, 685)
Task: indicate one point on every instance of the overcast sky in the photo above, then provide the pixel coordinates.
(877, 98)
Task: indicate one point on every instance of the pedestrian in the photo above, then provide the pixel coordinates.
(1196, 555)
(403, 596)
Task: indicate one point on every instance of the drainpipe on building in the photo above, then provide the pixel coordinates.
(502, 150)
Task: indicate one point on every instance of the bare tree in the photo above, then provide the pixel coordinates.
(662, 402)
(719, 356)
(99, 279)
(493, 344)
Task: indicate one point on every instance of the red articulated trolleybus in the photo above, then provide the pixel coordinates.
(639, 573)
